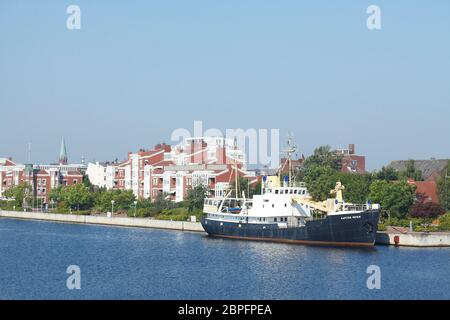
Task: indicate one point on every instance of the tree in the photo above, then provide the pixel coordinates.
(76, 196)
(123, 199)
(320, 180)
(244, 185)
(387, 173)
(196, 197)
(20, 193)
(161, 202)
(357, 186)
(425, 209)
(326, 157)
(397, 197)
(443, 186)
(87, 183)
(411, 171)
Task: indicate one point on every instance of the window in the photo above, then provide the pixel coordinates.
(285, 205)
(276, 191)
(75, 181)
(274, 219)
(273, 206)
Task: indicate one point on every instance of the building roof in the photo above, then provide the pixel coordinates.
(6, 162)
(428, 188)
(427, 167)
(63, 152)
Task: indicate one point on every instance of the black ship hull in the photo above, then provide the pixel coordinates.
(356, 229)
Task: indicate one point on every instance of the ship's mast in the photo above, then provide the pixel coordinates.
(236, 180)
(290, 151)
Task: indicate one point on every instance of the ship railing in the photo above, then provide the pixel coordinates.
(356, 207)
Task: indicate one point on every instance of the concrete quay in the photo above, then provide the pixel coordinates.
(101, 220)
(413, 239)
(395, 238)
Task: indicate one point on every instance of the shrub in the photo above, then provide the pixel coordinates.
(425, 209)
(444, 222)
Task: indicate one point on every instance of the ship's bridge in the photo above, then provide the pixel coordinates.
(298, 191)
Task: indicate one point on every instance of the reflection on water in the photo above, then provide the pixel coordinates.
(129, 263)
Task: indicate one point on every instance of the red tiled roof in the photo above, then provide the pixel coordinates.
(428, 188)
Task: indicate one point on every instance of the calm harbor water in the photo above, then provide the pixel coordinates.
(126, 263)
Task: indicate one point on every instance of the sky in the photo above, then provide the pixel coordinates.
(138, 70)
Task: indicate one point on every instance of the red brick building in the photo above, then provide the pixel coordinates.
(41, 178)
(173, 170)
(351, 162)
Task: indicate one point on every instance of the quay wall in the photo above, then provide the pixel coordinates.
(410, 239)
(114, 221)
(414, 239)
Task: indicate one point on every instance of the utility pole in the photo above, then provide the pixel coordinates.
(447, 177)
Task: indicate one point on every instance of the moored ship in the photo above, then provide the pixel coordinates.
(287, 213)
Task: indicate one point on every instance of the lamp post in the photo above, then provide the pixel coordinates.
(135, 205)
(112, 207)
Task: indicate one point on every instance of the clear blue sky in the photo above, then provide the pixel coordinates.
(139, 69)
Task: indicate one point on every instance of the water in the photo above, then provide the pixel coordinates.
(128, 263)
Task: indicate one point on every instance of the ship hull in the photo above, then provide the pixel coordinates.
(356, 229)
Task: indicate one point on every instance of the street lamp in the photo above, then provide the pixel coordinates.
(135, 205)
(112, 207)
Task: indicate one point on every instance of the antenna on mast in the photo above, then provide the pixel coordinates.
(236, 180)
(290, 151)
(29, 152)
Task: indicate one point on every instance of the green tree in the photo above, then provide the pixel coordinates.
(326, 157)
(123, 199)
(320, 180)
(411, 171)
(20, 193)
(87, 183)
(397, 197)
(76, 196)
(196, 197)
(357, 186)
(162, 202)
(387, 173)
(244, 185)
(443, 186)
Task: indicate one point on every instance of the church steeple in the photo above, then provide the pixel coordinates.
(63, 152)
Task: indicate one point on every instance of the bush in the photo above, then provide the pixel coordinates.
(426, 210)
(179, 214)
(142, 212)
(397, 197)
(444, 222)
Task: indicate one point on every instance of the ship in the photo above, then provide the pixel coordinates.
(285, 212)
